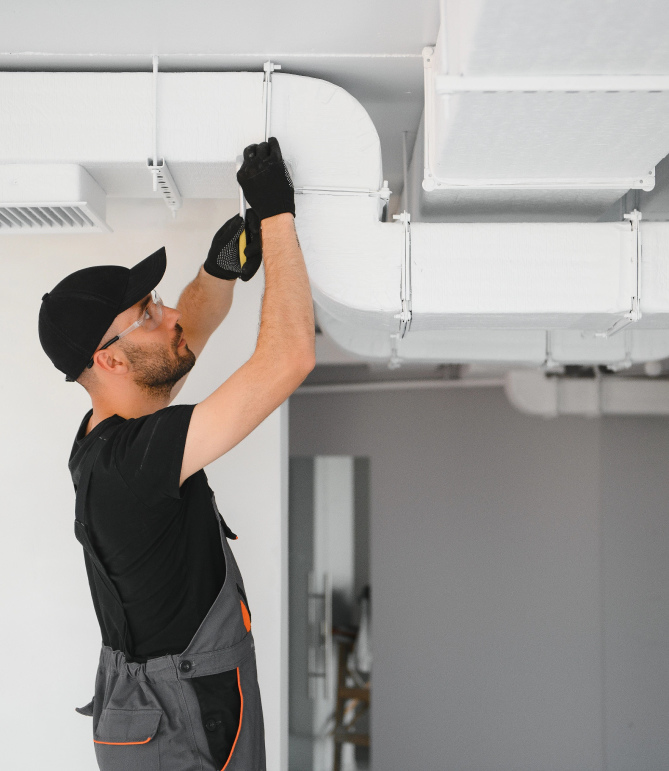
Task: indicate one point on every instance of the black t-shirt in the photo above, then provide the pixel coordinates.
(159, 543)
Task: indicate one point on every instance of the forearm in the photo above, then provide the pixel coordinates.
(287, 327)
(203, 304)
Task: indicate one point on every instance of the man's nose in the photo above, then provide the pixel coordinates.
(173, 315)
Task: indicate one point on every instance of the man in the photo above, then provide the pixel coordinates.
(176, 688)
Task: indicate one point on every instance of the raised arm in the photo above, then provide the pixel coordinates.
(284, 353)
(205, 302)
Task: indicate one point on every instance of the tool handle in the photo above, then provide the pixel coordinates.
(242, 200)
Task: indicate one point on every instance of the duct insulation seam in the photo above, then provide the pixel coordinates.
(534, 393)
(515, 278)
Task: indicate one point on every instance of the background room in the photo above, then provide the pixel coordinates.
(454, 535)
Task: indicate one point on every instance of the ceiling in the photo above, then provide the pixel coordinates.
(372, 49)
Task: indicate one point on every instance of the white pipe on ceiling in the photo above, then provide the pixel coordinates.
(534, 393)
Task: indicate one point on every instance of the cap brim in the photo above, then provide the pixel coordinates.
(144, 277)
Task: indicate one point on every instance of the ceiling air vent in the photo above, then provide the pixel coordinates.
(50, 198)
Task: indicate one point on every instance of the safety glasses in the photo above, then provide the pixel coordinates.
(151, 318)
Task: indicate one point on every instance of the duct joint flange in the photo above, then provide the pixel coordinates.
(634, 314)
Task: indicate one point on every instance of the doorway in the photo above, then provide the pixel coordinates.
(330, 657)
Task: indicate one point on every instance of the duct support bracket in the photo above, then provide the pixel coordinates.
(634, 314)
(383, 193)
(163, 182)
(269, 68)
(549, 364)
(404, 316)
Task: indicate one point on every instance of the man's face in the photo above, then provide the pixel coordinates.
(157, 358)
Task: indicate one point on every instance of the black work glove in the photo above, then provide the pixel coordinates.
(236, 250)
(265, 180)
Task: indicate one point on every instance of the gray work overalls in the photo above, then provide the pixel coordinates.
(196, 711)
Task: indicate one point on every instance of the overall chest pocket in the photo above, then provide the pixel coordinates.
(125, 740)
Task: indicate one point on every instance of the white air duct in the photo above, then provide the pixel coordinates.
(516, 98)
(452, 280)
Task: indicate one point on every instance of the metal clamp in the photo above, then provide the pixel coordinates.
(634, 314)
(163, 182)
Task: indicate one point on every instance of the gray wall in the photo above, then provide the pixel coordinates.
(635, 570)
(520, 579)
(44, 595)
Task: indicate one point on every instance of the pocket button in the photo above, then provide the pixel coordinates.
(185, 666)
(212, 725)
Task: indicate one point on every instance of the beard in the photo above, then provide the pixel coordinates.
(156, 369)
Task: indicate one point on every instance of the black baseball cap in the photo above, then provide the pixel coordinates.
(77, 312)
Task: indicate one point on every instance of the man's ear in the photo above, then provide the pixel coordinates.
(112, 361)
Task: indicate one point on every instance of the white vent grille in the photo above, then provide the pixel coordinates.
(61, 198)
(75, 217)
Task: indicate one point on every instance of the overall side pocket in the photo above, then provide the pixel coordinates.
(125, 740)
(221, 704)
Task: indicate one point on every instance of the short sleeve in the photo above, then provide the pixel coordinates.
(148, 452)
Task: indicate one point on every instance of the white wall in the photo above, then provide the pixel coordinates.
(50, 640)
(519, 580)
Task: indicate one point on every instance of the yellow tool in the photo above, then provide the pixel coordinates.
(242, 246)
(242, 214)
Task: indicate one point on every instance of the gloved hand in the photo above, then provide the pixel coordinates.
(265, 180)
(236, 249)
